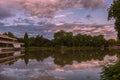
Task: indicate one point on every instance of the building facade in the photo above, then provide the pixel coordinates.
(8, 43)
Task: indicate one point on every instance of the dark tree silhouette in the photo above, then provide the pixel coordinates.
(114, 12)
(26, 40)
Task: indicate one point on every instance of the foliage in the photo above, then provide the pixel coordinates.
(112, 72)
(114, 12)
(40, 41)
(62, 39)
(112, 42)
(26, 40)
(9, 34)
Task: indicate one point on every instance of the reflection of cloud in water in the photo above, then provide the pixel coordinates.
(88, 65)
(110, 59)
(34, 70)
(48, 70)
(26, 74)
(84, 70)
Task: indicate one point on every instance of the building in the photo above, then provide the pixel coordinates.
(8, 43)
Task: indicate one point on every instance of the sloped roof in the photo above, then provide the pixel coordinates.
(6, 37)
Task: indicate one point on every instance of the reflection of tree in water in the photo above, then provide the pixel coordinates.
(111, 72)
(67, 57)
(79, 56)
(38, 55)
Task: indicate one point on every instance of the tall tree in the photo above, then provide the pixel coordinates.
(26, 40)
(114, 12)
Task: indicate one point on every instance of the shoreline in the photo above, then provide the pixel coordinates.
(71, 48)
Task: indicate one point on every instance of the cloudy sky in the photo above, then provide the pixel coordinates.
(45, 17)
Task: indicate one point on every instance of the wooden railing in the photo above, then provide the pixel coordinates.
(7, 42)
(9, 59)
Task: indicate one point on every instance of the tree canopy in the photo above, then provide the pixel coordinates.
(111, 72)
(26, 40)
(9, 34)
(114, 12)
(68, 39)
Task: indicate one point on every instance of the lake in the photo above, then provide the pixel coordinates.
(55, 64)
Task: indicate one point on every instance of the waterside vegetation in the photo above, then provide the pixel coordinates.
(64, 39)
(111, 72)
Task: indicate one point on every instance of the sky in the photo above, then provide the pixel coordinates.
(45, 17)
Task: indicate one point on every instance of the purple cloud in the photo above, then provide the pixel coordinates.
(46, 8)
(4, 13)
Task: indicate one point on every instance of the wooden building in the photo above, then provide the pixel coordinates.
(8, 43)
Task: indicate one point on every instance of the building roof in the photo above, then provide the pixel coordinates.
(6, 37)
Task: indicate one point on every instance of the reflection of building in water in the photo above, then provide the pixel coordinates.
(8, 43)
(9, 57)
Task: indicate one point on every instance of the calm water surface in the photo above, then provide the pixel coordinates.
(56, 65)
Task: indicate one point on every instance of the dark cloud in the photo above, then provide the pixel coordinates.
(88, 16)
(46, 8)
(93, 4)
(47, 30)
(4, 12)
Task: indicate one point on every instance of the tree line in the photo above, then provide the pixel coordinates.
(62, 38)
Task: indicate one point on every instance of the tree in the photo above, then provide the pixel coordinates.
(9, 34)
(114, 12)
(26, 40)
(112, 42)
(63, 38)
(111, 72)
(40, 41)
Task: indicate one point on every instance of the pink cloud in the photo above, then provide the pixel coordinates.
(46, 8)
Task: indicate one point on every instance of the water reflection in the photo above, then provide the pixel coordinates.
(9, 57)
(69, 56)
(54, 65)
(111, 71)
